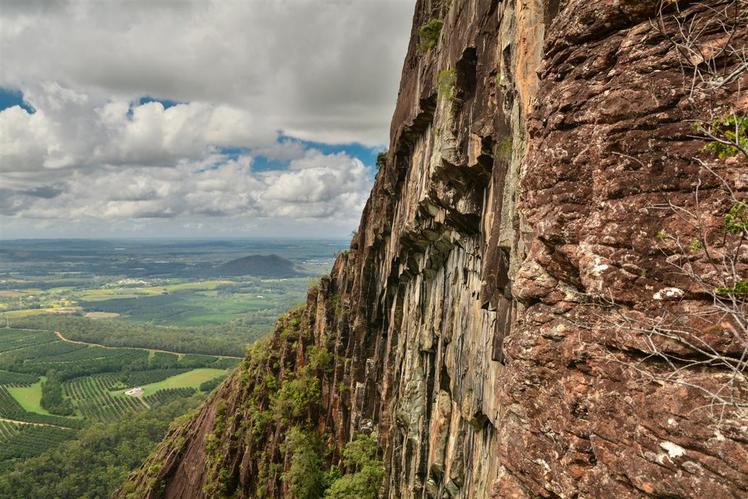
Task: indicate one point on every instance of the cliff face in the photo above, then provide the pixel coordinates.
(544, 158)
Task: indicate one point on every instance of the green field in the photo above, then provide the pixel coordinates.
(202, 303)
(93, 379)
(190, 379)
(110, 293)
(174, 302)
(29, 397)
(125, 300)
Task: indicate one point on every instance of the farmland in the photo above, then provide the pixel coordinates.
(18, 440)
(190, 379)
(83, 322)
(93, 380)
(29, 396)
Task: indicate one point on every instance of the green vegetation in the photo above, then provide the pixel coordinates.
(190, 379)
(736, 220)
(283, 392)
(11, 409)
(428, 34)
(21, 379)
(93, 399)
(95, 462)
(59, 386)
(123, 334)
(319, 359)
(305, 478)
(296, 397)
(446, 80)
(41, 351)
(740, 288)
(52, 398)
(505, 148)
(29, 397)
(211, 384)
(168, 394)
(381, 160)
(129, 315)
(140, 378)
(727, 136)
(20, 441)
(361, 457)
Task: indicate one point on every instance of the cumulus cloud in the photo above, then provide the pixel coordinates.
(322, 70)
(332, 188)
(243, 76)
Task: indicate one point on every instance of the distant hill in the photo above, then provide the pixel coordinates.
(258, 265)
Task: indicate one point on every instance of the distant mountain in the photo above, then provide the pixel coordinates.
(258, 265)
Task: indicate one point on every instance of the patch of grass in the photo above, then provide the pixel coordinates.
(190, 379)
(30, 397)
(505, 147)
(31, 312)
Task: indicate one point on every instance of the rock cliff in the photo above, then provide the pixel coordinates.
(544, 296)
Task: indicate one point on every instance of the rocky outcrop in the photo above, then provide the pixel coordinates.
(545, 158)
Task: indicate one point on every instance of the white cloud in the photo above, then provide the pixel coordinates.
(328, 188)
(320, 69)
(89, 160)
(73, 131)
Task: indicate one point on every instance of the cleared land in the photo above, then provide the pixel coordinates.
(190, 379)
(101, 315)
(29, 397)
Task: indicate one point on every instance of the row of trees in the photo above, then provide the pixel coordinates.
(53, 398)
(97, 461)
(211, 340)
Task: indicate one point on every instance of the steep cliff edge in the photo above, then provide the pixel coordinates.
(514, 315)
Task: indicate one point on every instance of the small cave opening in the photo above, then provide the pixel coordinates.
(466, 73)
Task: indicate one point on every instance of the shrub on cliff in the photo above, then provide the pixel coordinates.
(381, 160)
(320, 359)
(361, 456)
(727, 136)
(296, 397)
(304, 478)
(429, 33)
(446, 81)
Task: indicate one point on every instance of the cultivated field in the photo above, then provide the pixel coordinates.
(127, 314)
(93, 379)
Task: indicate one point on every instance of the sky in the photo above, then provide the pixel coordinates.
(205, 118)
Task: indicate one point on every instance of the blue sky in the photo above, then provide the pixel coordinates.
(366, 154)
(12, 97)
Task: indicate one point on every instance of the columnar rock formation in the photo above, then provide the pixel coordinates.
(542, 153)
